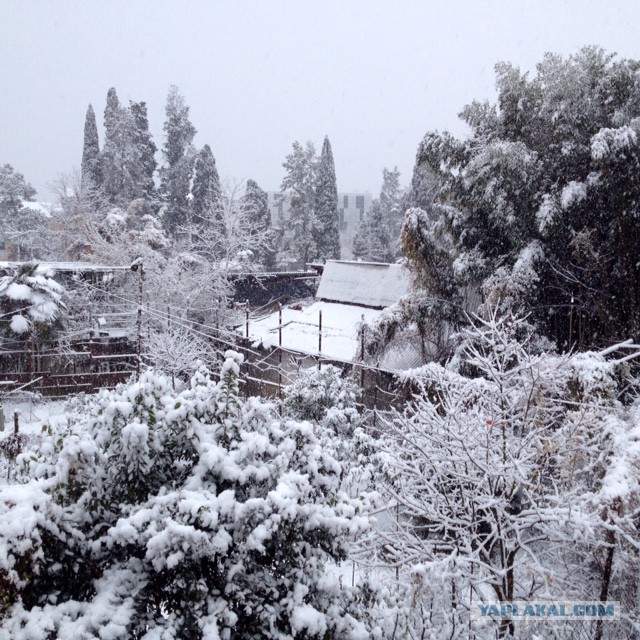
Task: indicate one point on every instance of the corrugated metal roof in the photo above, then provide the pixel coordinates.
(370, 284)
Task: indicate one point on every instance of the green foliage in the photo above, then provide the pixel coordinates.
(325, 231)
(90, 167)
(179, 156)
(543, 196)
(298, 187)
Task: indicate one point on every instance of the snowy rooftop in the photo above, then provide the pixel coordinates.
(370, 284)
(300, 329)
(348, 292)
(67, 266)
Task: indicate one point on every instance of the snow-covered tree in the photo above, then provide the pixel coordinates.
(179, 155)
(119, 156)
(207, 207)
(324, 396)
(378, 239)
(145, 152)
(20, 226)
(541, 197)
(179, 515)
(14, 189)
(90, 167)
(326, 222)
(329, 400)
(391, 210)
(254, 206)
(508, 481)
(298, 187)
(176, 350)
(424, 188)
(32, 305)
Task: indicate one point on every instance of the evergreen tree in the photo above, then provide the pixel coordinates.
(145, 150)
(179, 157)
(13, 190)
(378, 238)
(298, 187)
(541, 199)
(206, 204)
(119, 159)
(423, 190)
(326, 232)
(19, 225)
(390, 203)
(255, 210)
(361, 241)
(90, 168)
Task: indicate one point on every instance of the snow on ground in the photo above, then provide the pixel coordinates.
(300, 329)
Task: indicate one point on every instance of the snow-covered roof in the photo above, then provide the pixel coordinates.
(370, 284)
(67, 266)
(300, 328)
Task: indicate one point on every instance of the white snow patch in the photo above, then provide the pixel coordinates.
(300, 328)
(573, 193)
(19, 324)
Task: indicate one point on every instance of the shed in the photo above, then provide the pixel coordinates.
(369, 284)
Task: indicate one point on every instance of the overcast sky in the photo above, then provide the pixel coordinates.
(373, 76)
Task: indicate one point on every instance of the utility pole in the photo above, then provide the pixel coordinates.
(319, 337)
(362, 352)
(279, 350)
(136, 265)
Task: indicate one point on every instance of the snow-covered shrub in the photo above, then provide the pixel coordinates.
(324, 396)
(176, 350)
(518, 480)
(328, 399)
(156, 514)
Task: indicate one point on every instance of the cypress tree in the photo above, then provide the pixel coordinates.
(361, 241)
(206, 204)
(118, 157)
(145, 150)
(255, 206)
(326, 231)
(90, 167)
(178, 154)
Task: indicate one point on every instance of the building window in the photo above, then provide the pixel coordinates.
(360, 203)
(345, 202)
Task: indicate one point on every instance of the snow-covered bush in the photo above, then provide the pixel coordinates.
(518, 480)
(176, 350)
(154, 514)
(324, 396)
(328, 399)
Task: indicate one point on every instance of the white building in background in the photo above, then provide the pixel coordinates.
(352, 207)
